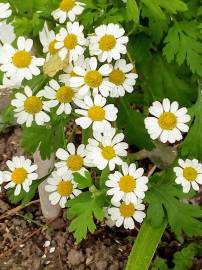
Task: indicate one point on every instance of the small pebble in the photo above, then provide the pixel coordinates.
(46, 244)
(52, 249)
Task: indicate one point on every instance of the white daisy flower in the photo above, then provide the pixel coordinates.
(71, 41)
(29, 108)
(108, 42)
(61, 188)
(68, 9)
(123, 78)
(125, 214)
(72, 159)
(7, 34)
(106, 149)
(189, 174)
(19, 63)
(5, 10)
(129, 185)
(10, 83)
(65, 77)
(48, 41)
(90, 76)
(60, 96)
(21, 174)
(167, 122)
(95, 112)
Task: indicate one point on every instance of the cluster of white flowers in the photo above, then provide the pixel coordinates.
(83, 85)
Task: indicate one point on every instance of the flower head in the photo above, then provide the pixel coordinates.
(20, 175)
(60, 96)
(61, 188)
(167, 122)
(123, 78)
(91, 77)
(125, 213)
(129, 185)
(70, 41)
(108, 43)
(106, 149)
(48, 41)
(68, 9)
(95, 112)
(29, 108)
(20, 63)
(189, 174)
(72, 159)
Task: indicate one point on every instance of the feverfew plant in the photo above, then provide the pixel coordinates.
(123, 78)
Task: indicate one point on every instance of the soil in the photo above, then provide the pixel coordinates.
(27, 243)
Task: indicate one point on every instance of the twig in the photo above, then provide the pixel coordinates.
(152, 171)
(13, 211)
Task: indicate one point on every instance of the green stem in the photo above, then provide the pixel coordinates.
(145, 246)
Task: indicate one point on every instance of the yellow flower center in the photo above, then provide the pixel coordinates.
(96, 113)
(66, 5)
(70, 41)
(75, 162)
(190, 173)
(167, 121)
(19, 175)
(33, 105)
(93, 78)
(127, 183)
(65, 94)
(127, 210)
(108, 152)
(51, 47)
(22, 59)
(117, 77)
(65, 188)
(107, 42)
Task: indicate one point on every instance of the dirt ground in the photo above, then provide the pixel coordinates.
(26, 242)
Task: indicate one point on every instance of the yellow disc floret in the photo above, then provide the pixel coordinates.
(108, 152)
(190, 173)
(127, 183)
(66, 5)
(22, 59)
(93, 78)
(127, 210)
(70, 41)
(96, 113)
(107, 43)
(33, 105)
(75, 162)
(65, 94)
(117, 77)
(19, 175)
(167, 121)
(65, 188)
(51, 48)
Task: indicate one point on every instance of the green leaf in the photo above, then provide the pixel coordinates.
(82, 210)
(45, 138)
(132, 11)
(133, 122)
(159, 264)
(166, 80)
(183, 259)
(104, 177)
(145, 246)
(183, 44)
(189, 148)
(8, 116)
(164, 199)
(83, 181)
